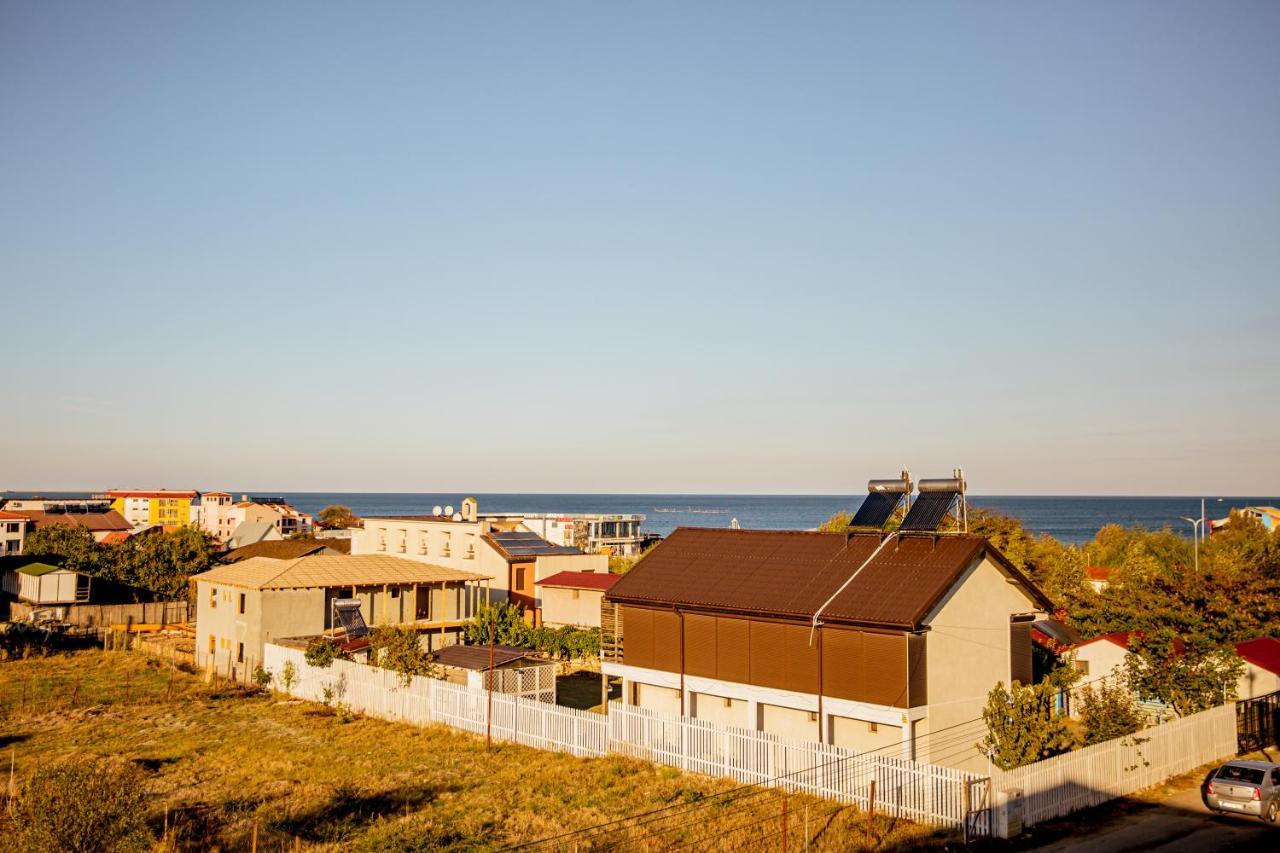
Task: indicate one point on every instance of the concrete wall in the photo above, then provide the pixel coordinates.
(560, 607)
(968, 651)
(857, 735)
(1256, 681)
(787, 722)
(453, 544)
(720, 709)
(553, 563)
(664, 700)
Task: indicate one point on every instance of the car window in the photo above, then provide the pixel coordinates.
(1275, 776)
(1236, 773)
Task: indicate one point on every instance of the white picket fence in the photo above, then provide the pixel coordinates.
(924, 793)
(1095, 774)
(921, 792)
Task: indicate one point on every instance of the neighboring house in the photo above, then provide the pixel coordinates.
(13, 532)
(865, 640)
(1262, 667)
(574, 598)
(101, 524)
(221, 518)
(1269, 516)
(41, 583)
(1098, 577)
(39, 503)
(241, 606)
(591, 532)
(161, 507)
(513, 559)
(251, 532)
(281, 549)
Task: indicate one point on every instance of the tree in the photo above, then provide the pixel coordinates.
(1107, 711)
(1198, 676)
(837, 523)
(83, 804)
(399, 648)
(69, 545)
(1023, 726)
(162, 562)
(509, 625)
(321, 652)
(337, 517)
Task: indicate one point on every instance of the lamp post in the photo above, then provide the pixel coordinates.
(1196, 527)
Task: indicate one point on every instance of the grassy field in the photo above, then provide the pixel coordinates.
(220, 762)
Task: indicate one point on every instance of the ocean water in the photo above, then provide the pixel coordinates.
(1070, 519)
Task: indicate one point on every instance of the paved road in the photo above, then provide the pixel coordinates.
(1179, 824)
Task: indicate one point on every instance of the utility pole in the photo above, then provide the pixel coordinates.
(488, 723)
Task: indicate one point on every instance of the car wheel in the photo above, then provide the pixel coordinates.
(1272, 809)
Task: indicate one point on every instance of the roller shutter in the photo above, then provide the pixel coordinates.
(637, 640)
(700, 645)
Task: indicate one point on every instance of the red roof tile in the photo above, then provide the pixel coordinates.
(12, 515)
(1098, 573)
(581, 580)
(1263, 652)
(95, 521)
(158, 493)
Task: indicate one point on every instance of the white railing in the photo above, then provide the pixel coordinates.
(921, 792)
(1087, 777)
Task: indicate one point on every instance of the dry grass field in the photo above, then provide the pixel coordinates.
(221, 764)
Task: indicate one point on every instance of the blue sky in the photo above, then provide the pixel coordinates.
(655, 247)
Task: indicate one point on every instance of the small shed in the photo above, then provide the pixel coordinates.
(43, 583)
(513, 670)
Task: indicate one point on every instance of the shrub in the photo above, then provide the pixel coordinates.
(399, 648)
(84, 803)
(321, 652)
(261, 676)
(1022, 725)
(288, 676)
(1108, 711)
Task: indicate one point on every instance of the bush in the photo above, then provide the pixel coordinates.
(1108, 711)
(1022, 725)
(85, 803)
(321, 652)
(399, 648)
(261, 676)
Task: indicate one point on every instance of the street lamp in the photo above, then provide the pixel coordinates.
(1196, 531)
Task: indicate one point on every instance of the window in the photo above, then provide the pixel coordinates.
(471, 552)
(873, 727)
(728, 703)
(520, 578)
(242, 596)
(213, 596)
(213, 647)
(575, 594)
(395, 592)
(813, 716)
(1082, 667)
(239, 652)
(382, 539)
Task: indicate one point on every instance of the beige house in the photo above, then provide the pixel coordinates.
(871, 641)
(220, 516)
(13, 533)
(243, 605)
(573, 598)
(513, 559)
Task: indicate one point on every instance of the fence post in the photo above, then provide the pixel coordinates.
(871, 812)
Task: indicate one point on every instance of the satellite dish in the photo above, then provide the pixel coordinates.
(436, 510)
(457, 516)
(448, 510)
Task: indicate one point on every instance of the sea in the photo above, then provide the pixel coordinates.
(1074, 520)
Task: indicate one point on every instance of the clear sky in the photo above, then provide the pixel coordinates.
(640, 247)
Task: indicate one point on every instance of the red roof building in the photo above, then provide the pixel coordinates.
(600, 581)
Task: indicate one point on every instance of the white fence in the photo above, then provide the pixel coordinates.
(925, 793)
(920, 792)
(1087, 777)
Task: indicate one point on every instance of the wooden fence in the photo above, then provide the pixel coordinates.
(921, 792)
(1095, 774)
(99, 616)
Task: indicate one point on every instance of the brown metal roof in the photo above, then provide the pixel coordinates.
(331, 571)
(477, 657)
(279, 549)
(98, 522)
(792, 573)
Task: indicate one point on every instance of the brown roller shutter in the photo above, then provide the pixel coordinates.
(637, 639)
(883, 670)
(802, 660)
(917, 669)
(768, 656)
(666, 640)
(733, 649)
(1020, 652)
(700, 645)
(841, 651)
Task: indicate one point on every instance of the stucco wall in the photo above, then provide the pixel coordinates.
(664, 700)
(968, 651)
(559, 607)
(1256, 681)
(787, 722)
(857, 735)
(722, 710)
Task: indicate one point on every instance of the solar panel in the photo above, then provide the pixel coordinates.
(875, 510)
(928, 512)
(346, 615)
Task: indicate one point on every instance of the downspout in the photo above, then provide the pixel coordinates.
(681, 618)
(822, 729)
(813, 626)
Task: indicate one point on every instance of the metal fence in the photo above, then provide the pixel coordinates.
(100, 616)
(1258, 722)
(1095, 774)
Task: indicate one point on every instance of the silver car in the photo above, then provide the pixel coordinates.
(1245, 787)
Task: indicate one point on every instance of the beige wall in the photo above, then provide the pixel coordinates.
(553, 563)
(664, 700)
(718, 709)
(453, 544)
(787, 722)
(857, 735)
(1256, 681)
(968, 652)
(559, 607)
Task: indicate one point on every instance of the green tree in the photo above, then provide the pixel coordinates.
(1023, 726)
(399, 648)
(321, 652)
(509, 625)
(162, 562)
(69, 545)
(837, 523)
(337, 517)
(83, 804)
(1107, 711)
(1198, 676)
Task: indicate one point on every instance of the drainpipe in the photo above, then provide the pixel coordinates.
(822, 723)
(818, 613)
(681, 618)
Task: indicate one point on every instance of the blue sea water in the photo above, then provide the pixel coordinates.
(1070, 519)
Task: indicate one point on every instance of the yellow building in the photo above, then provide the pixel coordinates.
(149, 508)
